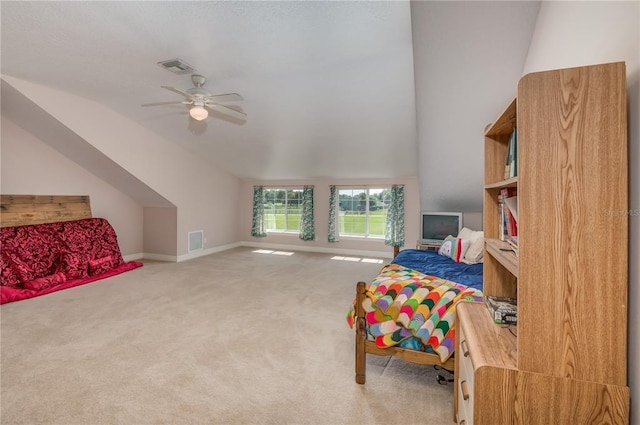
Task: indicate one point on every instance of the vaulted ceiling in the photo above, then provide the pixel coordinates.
(328, 87)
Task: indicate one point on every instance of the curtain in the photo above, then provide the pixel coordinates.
(334, 215)
(307, 230)
(257, 226)
(394, 234)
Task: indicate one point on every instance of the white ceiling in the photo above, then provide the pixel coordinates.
(328, 86)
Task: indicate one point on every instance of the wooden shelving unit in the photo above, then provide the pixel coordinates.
(568, 363)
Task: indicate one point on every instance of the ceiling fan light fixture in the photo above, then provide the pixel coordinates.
(198, 113)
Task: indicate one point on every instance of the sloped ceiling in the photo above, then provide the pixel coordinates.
(328, 86)
(41, 124)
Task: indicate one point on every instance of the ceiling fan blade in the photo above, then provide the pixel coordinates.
(177, 102)
(227, 97)
(226, 110)
(175, 90)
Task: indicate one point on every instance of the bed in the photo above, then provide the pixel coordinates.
(408, 309)
(51, 243)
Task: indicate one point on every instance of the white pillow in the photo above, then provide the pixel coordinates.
(466, 233)
(475, 251)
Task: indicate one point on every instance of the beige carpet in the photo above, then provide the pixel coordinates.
(236, 337)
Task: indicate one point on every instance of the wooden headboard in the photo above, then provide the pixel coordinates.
(19, 210)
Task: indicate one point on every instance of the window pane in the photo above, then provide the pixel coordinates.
(378, 222)
(352, 199)
(352, 219)
(270, 206)
(294, 209)
(352, 223)
(377, 212)
(282, 209)
(363, 212)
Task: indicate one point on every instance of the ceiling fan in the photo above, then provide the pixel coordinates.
(202, 101)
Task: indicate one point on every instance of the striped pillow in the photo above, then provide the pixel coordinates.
(454, 248)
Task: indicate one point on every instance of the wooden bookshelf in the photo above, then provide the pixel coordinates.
(569, 359)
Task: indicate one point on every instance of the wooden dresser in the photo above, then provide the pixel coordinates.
(484, 349)
(565, 362)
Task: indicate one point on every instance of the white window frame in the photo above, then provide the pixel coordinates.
(286, 189)
(366, 190)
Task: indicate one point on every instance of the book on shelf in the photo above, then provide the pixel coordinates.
(503, 310)
(511, 163)
(512, 203)
(513, 244)
(513, 170)
(507, 162)
(502, 219)
(508, 210)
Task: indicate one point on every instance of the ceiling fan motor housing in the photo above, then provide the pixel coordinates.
(198, 92)
(198, 80)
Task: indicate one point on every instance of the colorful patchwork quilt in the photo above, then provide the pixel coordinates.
(404, 304)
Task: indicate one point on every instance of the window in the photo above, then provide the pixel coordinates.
(282, 209)
(363, 211)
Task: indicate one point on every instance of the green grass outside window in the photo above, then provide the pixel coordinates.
(351, 223)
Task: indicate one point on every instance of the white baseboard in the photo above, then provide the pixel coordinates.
(207, 251)
(133, 257)
(189, 256)
(159, 257)
(321, 250)
(260, 245)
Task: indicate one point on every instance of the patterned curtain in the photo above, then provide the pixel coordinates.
(334, 215)
(394, 234)
(307, 230)
(257, 226)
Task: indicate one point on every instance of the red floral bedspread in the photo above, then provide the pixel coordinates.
(44, 258)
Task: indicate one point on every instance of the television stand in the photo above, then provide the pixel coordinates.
(432, 246)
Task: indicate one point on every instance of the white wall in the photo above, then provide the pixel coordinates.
(206, 198)
(468, 57)
(156, 242)
(30, 167)
(321, 217)
(570, 34)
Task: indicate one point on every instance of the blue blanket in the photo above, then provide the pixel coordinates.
(431, 263)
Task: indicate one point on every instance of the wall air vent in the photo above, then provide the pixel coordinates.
(196, 241)
(177, 66)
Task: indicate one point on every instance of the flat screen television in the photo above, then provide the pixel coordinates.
(436, 226)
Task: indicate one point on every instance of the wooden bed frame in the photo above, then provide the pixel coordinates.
(363, 346)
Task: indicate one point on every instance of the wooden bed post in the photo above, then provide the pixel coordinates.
(361, 334)
(396, 251)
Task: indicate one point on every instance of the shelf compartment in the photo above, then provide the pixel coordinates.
(502, 252)
(505, 123)
(496, 145)
(512, 182)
